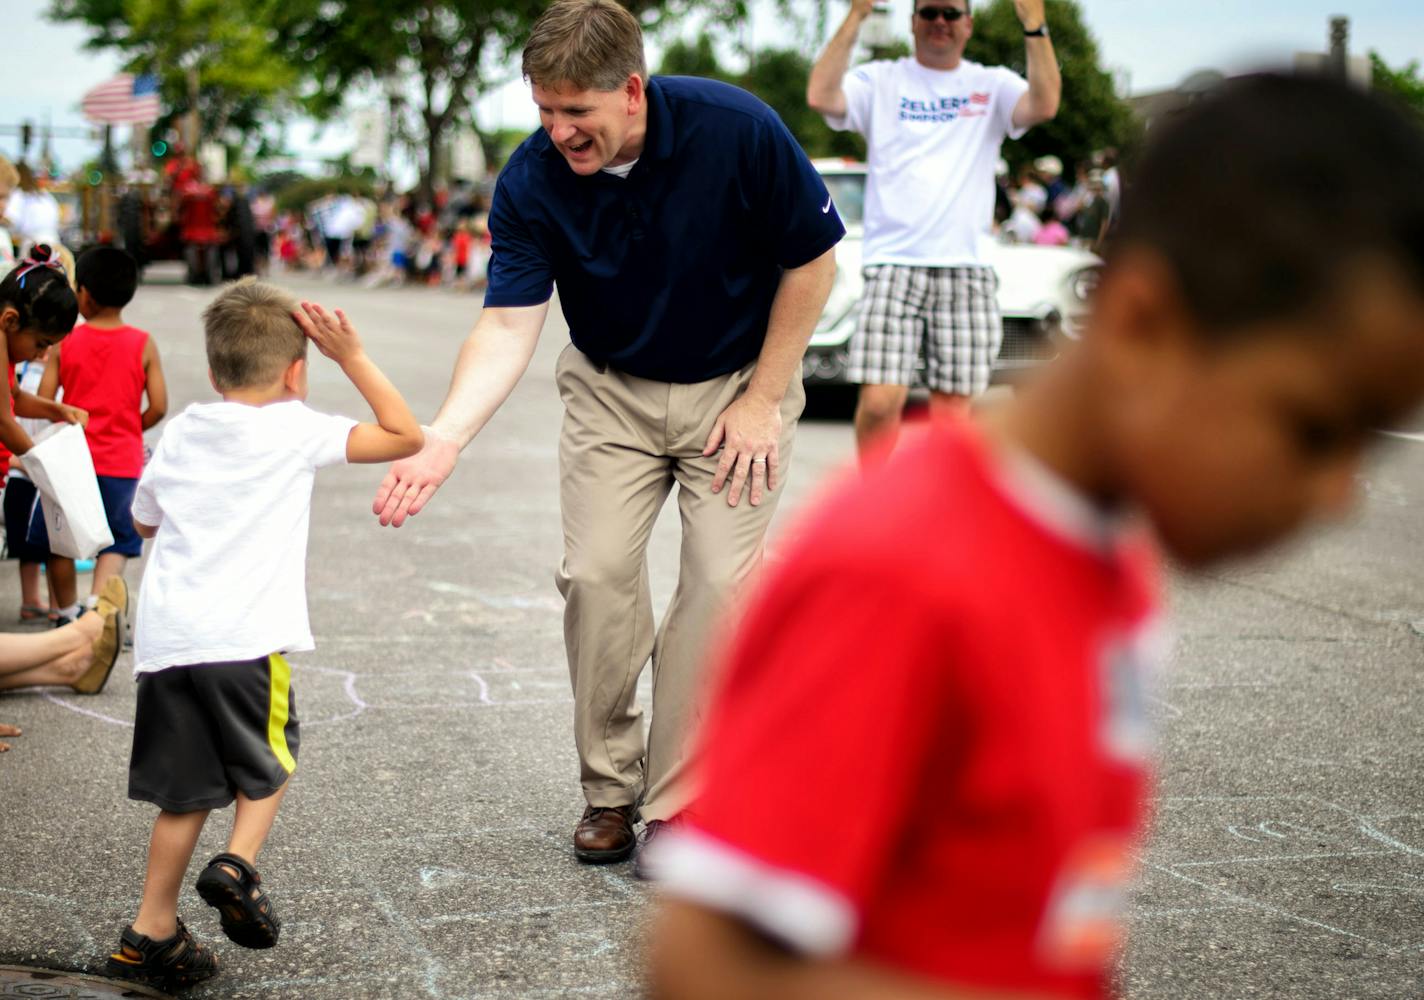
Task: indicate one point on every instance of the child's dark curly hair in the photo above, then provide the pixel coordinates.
(38, 290)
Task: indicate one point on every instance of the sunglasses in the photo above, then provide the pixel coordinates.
(933, 14)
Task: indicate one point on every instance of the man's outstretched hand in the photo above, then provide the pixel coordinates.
(412, 481)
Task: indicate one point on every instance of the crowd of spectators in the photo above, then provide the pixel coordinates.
(1041, 206)
(388, 240)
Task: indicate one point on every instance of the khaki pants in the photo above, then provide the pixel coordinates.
(625, 442)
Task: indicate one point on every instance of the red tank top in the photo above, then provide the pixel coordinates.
(102, 371)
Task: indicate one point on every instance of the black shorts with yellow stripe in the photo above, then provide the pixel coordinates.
(205, 732)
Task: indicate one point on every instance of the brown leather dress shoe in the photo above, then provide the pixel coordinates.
(605, 835)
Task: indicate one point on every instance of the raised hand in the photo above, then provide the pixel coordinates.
(1030, 13)
(334, 336)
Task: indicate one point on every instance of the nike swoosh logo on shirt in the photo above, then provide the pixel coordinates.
(826, 209)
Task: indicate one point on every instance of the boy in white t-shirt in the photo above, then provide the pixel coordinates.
(227, 495)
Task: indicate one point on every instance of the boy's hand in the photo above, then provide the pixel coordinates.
(73, 415)
(334, 336)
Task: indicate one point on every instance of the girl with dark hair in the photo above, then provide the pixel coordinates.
(37, 310)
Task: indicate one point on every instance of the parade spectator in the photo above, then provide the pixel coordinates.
(228, 497)
(37, 311)
(33, 214)
(1051, 232)
(1025, 221)
(9, 181)
(912, 789)
(1049, 173)
(929, 290)
(107, 368)
(1094, 215)
(685, 369)
(264, 219)
(79, 656)
(21, 510)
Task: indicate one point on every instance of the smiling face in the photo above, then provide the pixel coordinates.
(939, 43)
(593, 129)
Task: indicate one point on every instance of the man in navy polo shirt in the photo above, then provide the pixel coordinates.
(693, 247)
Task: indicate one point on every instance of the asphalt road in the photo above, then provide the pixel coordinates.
(424, 848)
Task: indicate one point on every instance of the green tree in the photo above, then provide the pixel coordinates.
(212, 55)
(453, 50)
(1404, 85)
(778, 77)
(1091, 115)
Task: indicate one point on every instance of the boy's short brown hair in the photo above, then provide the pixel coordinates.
(251, 336)
(586, 45)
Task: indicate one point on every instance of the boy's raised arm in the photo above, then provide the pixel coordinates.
(396, 433)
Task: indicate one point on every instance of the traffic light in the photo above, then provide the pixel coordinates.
(27, 135)
(160, 149)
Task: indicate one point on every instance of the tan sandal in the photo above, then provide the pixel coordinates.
(106, 654)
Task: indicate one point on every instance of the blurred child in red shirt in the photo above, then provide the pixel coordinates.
(107, 368)
(928, 764)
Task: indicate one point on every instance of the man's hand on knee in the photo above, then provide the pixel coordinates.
(749, 434)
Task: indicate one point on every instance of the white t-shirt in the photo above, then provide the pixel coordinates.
(622, 170)
(229, 489)
(34, 217)
(28, 375)
(933, 138)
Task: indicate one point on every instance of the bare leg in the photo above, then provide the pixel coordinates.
(108, 565)
(169, 851)
(30, 584)
(252, 824)
(943, 404)
(877, 416)
(58, 656)
(64, 581)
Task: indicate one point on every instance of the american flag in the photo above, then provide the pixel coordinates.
(123, 100)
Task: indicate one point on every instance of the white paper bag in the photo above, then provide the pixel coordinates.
(63, 472)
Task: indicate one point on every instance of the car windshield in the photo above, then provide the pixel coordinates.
(848, 192)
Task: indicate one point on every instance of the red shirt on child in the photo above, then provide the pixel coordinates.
(930, 749)
(102, 371)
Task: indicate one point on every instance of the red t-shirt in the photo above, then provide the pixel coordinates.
(102, 371)
(930, 747)
(461, 245)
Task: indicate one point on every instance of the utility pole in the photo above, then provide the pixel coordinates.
(1339, 46)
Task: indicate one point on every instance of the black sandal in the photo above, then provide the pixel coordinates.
(172, 964)
(247, 915)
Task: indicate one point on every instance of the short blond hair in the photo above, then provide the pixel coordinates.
(251, 335)
(9, 176)
(586, 45)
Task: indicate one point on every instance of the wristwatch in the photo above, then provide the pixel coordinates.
(1040, 32)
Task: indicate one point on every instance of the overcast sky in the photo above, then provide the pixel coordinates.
(1150, 45)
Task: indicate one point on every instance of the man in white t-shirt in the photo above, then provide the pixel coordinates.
(934, 124)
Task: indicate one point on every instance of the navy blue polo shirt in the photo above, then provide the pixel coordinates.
(669, 273)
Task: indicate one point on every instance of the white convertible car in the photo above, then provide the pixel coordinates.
(1043, 292)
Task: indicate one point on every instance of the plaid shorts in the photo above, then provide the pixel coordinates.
(950, 315)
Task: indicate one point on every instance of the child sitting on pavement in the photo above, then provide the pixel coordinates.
(928, 767)
(106, 368)
(227, 495)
